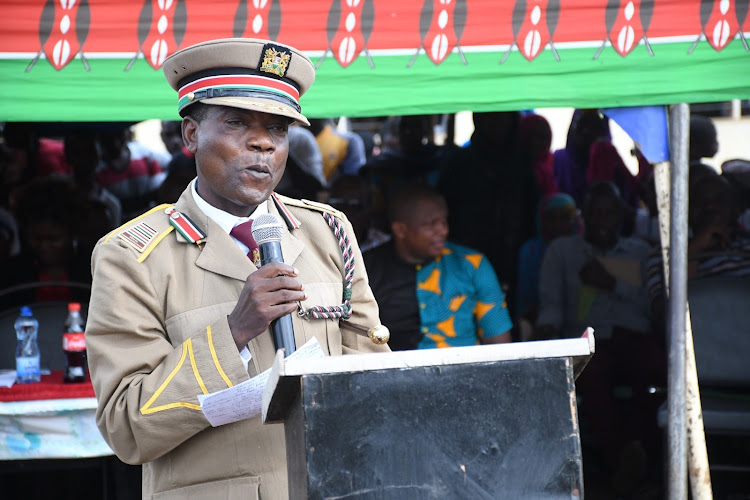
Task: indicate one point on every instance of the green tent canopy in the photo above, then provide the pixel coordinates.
(73, 60)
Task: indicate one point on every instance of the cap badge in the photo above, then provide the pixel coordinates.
(275, 60)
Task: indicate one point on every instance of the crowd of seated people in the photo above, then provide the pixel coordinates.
(527, 243)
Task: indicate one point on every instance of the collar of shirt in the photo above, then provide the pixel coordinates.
(619, 247)
(224, 219)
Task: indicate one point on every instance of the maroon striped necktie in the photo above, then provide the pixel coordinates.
(244, 234)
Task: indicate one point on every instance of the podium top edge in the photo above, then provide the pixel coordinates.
(566, 348)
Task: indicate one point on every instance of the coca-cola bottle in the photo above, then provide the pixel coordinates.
(74, 345)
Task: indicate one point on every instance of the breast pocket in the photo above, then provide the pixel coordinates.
(190, 323)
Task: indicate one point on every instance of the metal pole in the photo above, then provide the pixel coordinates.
(736, 109)
(678, 229)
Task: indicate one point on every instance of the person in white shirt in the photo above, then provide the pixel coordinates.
(597, 279)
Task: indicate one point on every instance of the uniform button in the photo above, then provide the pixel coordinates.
(418, 267)
(422, 306)
(424, 329)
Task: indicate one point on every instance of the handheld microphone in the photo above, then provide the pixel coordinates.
(267, 231)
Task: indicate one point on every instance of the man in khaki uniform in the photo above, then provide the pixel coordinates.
(178, 309)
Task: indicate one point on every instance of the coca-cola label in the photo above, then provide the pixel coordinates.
(74, 341)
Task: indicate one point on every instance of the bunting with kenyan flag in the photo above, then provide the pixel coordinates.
(100, 60)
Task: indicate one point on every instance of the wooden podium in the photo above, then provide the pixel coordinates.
(480, 422)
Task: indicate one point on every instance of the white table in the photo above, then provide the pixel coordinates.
(52, 428)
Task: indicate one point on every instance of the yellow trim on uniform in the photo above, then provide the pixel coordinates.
(195, 367)
(155, 209)
(153, 244)
(322, 207)
(216, 358)
(146, 409)
(179, 404)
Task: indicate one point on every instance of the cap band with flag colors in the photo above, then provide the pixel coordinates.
(239, 86)
(245, 73)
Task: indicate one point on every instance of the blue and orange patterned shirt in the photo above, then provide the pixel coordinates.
(460, 299)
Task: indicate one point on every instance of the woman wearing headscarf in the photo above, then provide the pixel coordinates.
(556, 216)
(590, 157)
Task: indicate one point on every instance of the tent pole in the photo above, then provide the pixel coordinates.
(677, 309)
(698, 468)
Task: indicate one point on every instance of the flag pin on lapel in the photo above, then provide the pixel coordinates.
(186, 227)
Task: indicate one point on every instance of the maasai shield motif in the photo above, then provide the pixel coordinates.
(534, 23)
(441, 24)
(258, 19)
(721, 21)
(627, 24)
(161, 27)
(349, 26)
(63, 28)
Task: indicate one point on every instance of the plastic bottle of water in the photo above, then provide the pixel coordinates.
(27, 349)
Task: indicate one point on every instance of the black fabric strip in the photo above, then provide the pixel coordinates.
(232, 71)
(257, 94)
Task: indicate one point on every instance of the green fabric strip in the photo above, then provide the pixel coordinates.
(185, 101)
(107, 93)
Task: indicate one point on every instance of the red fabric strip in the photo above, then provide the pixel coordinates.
(186, 226)
(229, 80)
(51, 387)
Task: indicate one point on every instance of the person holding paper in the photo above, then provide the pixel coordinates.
(179, 308)
(596, 279)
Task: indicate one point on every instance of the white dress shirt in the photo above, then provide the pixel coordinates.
(227, 222)
(560, 289)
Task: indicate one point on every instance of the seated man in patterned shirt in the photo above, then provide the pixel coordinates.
(433, 293)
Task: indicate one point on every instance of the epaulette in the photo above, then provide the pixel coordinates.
(310, 205)
(144, 232)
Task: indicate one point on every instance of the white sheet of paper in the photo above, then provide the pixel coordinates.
(7, 378)
(244, 400)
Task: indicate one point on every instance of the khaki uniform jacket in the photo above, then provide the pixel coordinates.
(157, 336)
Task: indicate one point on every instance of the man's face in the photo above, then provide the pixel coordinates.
(240, 156)
(711, 205)
(171, 136)
(82, 151)
(50, 243)
(115, 151)
(424, 233)
(602, 221)
(589, 127)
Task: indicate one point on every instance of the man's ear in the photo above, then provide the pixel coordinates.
(190, 134)
(399, 229)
